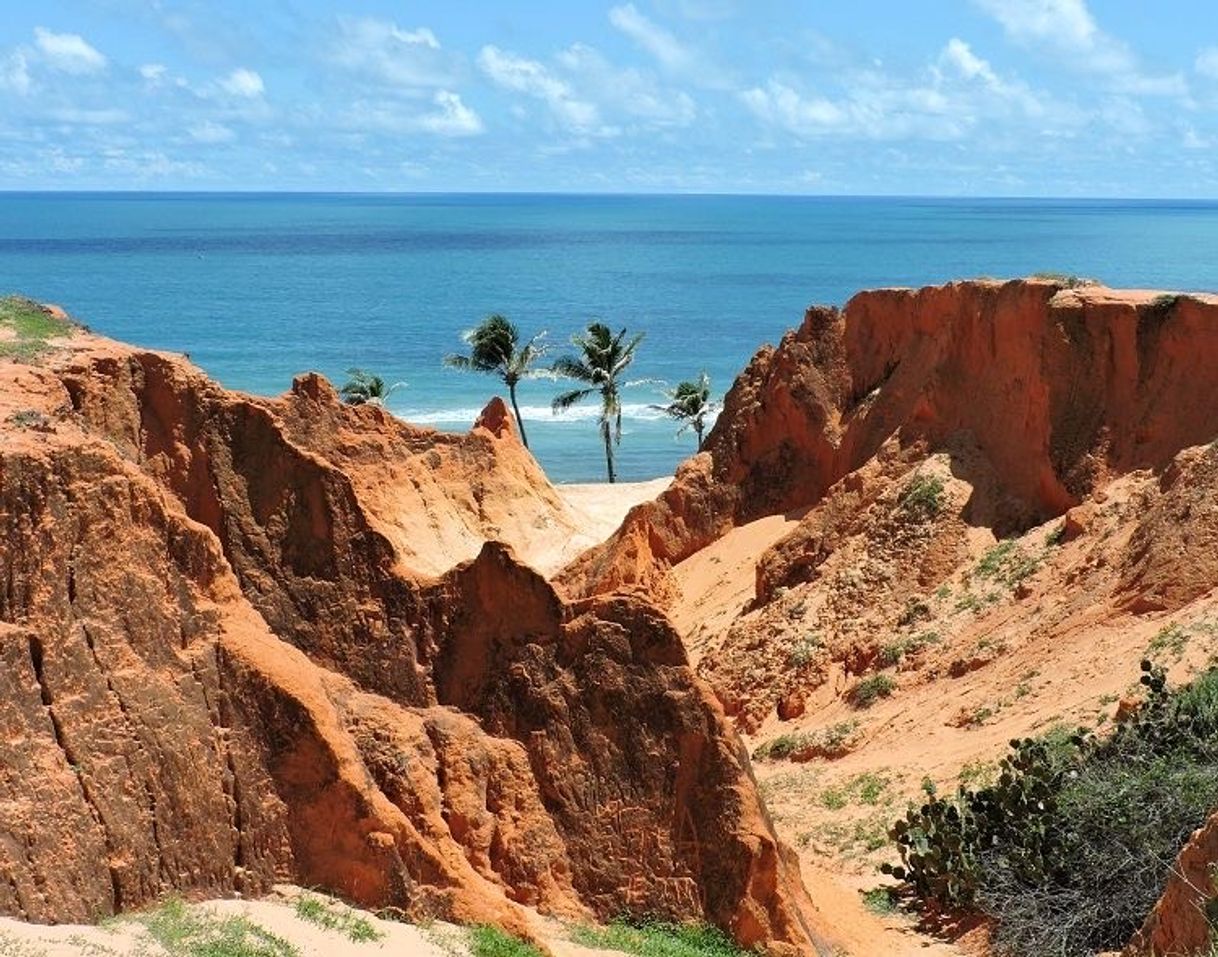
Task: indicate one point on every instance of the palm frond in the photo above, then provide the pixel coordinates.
(565, 400)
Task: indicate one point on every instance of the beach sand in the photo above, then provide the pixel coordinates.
(599, 509)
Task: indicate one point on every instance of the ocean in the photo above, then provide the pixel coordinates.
(257, 288)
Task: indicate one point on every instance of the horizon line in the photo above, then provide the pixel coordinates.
(602, 194)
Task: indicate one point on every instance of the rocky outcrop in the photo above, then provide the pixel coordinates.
(229, 660)
(1054, 389)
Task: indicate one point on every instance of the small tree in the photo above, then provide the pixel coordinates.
(366, 388)
(494, 349)
(690, 404)
(603, 358)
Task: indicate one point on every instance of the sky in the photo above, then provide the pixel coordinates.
(940, 97)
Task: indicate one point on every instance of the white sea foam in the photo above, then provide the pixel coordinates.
(641, 412)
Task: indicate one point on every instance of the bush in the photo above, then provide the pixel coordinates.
(871, 689)
(659, 939)
(1071, 845)
(488, 941)
(922, 497)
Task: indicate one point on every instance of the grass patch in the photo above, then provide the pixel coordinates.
(892, 653)
(27, 326)
(658, 939)
(1007, 563)
(922, 497)
(869, 789)
(868, 691)
(880, 900)
(1171, 639)
(183, 932)
(1065, 280)
(1071, 844)
(344, 920)
(829, 742)
(488, 941)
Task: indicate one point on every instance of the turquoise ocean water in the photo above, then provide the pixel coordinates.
(257, 288)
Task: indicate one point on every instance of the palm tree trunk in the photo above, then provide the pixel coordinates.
(605, 434)
(519, 421)
(698, 433)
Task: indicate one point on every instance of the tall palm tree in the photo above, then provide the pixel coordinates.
(690, 403)
(494, 348)
(602, 359)
(366, 388)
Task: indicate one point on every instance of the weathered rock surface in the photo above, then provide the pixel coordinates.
(1055, 390)
(228, 660)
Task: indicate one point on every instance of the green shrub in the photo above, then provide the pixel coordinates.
(334, 917)
(185, 932)
(1070, 845)
(659, 939)
(922, 497)
(30, 326)
(488, 941)
(872, 688)
(829, 742)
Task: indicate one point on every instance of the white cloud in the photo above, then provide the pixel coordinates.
(531, 78)
(154, 72)
(781, 106)
(651, 37)
(398, 57)
(15, 73)
(98, 117)
(1207, 63)
(68, 52)
(209, 131)
(628, 91)
(1067, 27)
(958, 57)
(452, 118)
(243, 83)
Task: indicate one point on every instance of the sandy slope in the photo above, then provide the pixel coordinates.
(598, 509)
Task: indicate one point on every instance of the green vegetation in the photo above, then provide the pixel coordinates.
(690, 403)
(1172, 639)
(26, 327)
(872, 688)
(880, 900)
(804, 650)
(488, 941)
(922, 497)
(894, 651)
(658, 939)
(495, 349)
(829, 742)
(185, 932)
(1007, 563)
(1070, 844)
(1067, 280)
(602, 361)
(347, 922)
(366, 388)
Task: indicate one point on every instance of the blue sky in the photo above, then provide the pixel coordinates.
(941, 97)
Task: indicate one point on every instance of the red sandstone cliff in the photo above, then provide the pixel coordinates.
(227, 661)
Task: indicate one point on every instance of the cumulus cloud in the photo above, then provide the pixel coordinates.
(522, 75)
(630, 92)
(651, 37)
(1068, 27)
(244, 83)
(958, 57)
(67, 52)
(154, 72)
(390, 54)
(451, 118)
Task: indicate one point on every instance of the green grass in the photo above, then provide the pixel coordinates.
(1069, 280)
(830, 741)
(1007, 563)
(30, 325)
(1171, 639)
(880, 900)
(345, 921)
(658, 940)
(183, 932)
(488, 941)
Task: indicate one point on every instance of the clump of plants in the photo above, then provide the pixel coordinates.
(488, 941)
(28, 326)
(868, 691)
(922, 497)
(335, 917)
(1007, 563)
(658, 939)
(1070, 844)
(829, 742)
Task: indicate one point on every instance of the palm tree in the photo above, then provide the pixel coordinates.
(366, 388)
(690, 404)
(494, 348)
(602, 359)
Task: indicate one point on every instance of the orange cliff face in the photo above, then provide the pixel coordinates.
(248, 640)
(1055, 390)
